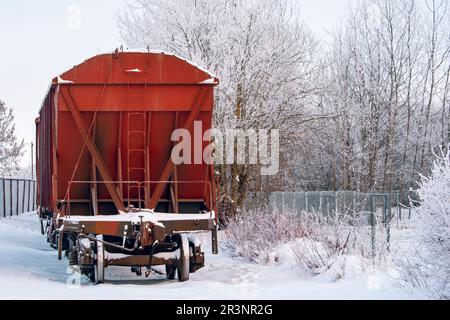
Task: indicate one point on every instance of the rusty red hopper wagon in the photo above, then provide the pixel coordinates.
(107, 186)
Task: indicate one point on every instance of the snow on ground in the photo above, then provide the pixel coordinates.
(29, 269)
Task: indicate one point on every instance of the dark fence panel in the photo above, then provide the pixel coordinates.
(16, 196)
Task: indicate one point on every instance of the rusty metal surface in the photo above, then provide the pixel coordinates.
(84, 120)
(93, 150)
(115, 228)
(169, 167)
(44, 145)
(137, 260)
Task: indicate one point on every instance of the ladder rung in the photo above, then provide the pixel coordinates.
(136, 127)
(137, 112)
(136, 150)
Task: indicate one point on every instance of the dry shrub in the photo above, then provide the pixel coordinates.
(253, 234)
(326, 238)
(316, 240)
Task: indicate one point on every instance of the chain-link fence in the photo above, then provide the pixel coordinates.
(16, 196)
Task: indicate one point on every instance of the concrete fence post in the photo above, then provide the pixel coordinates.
(17, 197)
(33, 183)
(321, 202)
(336, 205)
(10, 199)
(4, 198)
(23, 196)
(28, 196)
(306, 202)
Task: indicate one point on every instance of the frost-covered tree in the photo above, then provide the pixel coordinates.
(11, 150)
(378, 93)
(262, 53)
(387, 76)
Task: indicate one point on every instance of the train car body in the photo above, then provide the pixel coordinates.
(105, 178)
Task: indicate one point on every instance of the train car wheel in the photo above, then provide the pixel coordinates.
(100, 265)
(183, 260)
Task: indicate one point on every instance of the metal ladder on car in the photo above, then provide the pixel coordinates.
(136, 154)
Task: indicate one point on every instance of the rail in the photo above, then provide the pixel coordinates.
(17, 196)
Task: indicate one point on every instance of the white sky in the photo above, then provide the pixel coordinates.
(41, 39)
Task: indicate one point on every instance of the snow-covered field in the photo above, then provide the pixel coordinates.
(29, 269)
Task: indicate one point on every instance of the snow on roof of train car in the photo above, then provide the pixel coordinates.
(211, 80)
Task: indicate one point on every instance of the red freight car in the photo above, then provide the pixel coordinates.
(107, 185)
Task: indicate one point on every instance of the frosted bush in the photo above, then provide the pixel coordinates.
(427, 269)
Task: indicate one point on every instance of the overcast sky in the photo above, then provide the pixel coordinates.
(41, 39)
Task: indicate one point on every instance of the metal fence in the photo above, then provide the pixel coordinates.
(375, 210)
(17, 196)
(387, 204)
